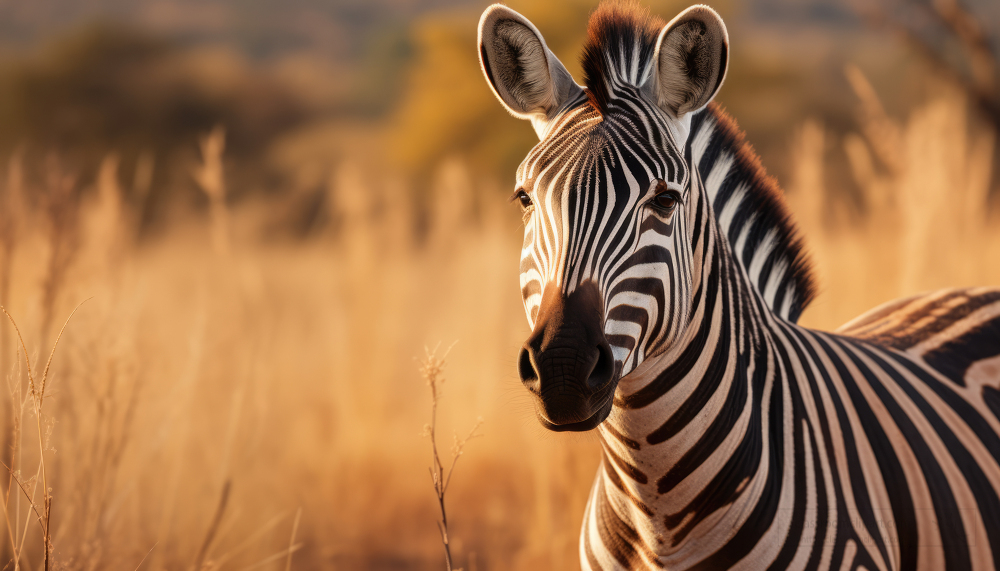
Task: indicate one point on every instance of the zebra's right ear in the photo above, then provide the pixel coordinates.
(691, 56)
(527, 78)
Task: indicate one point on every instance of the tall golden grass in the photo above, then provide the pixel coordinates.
(924, 218)
(229, 402)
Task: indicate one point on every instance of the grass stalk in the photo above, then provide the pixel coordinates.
(37, 392)
(431, 369)
(213, 528)
(210, 176)
(291, 542)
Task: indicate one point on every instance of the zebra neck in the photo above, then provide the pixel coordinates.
(683, 446)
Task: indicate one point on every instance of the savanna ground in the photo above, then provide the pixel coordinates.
(227, 396)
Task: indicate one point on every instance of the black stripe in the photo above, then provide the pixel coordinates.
(676, 371)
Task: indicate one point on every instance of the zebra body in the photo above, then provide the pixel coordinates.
(662, 278)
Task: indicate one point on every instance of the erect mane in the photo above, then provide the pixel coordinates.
(621, 39)
(751, 212)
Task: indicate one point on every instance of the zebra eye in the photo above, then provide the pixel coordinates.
(667, 200)
(523, 198)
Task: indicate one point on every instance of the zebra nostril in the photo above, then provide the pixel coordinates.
(603, 369)
(526, 370)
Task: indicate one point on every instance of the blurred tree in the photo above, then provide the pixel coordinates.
(956, 43)
(948, 35)
(105, 88)
(109, 86)
(382, 66)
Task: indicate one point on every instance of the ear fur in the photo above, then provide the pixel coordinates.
(524, 74)
(691, 58)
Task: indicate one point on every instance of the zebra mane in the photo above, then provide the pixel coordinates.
(751, 213)
(621, 39)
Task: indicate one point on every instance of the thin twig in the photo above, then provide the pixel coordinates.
(37, 393)
(33, 389)
(27, 361)
(291, 542)
(20, 485)
(249, 540)
(210, 535)
(48, 363)
(431, 369)
(6, 513)
(141, 561)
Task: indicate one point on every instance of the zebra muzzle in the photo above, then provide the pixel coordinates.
(567, 363)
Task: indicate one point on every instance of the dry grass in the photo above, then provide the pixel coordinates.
(924, 219)
(224, 402)
(199, 400)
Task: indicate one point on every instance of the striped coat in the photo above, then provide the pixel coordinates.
(662, 278)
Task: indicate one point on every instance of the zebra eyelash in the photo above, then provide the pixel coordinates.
(525, 209)
(517, 194)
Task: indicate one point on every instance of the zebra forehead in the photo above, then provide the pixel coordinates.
(582, 152)
(576, 141)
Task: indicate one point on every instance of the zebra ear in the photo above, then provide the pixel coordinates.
(525, 75)
(692, 54)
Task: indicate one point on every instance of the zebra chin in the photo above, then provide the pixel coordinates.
(566, 424)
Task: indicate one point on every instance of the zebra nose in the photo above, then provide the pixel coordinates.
(567, 353)
(591, 368)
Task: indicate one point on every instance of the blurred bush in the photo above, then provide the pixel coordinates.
(392, 86)
(106, 86)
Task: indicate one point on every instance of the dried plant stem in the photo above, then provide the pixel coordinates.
(24, 490)
(213, 527)
(143, 560)
(6, 515)
(249, 540)
(431, 369)
(291, 542)
(37, 393)
(276, 557)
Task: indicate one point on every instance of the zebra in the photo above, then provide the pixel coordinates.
(662, 278)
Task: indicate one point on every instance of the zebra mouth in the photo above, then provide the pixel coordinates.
(582, 426)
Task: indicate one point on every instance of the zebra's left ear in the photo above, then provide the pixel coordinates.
(692, 54)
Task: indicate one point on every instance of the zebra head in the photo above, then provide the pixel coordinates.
(607, 196)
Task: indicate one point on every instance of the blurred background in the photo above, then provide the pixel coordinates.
(271, 208)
